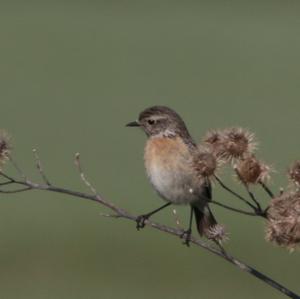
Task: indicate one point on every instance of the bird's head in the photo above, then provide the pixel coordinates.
(160, 121)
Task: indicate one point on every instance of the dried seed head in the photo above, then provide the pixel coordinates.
(5, 147)
(238, 143)
(213, 137)
(214, 140)
(252, 171)
(217, 233)
(233, 143)
(205, 162)
(294, 173)
(283, 225)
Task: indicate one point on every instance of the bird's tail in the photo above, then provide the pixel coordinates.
(205, 220)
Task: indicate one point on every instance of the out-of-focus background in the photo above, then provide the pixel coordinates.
(73, 73)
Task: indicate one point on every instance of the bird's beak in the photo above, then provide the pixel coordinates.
(133, 124)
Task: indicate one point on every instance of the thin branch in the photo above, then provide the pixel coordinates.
(6, 183)
(12, 180)
(16, 190)
(110, 215)
(39, 167)
(267, 189)
(235, 210)
(247, 189)
(18, 169)
(82, 175)
(234, 193)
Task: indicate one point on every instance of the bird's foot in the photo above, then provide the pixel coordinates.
(140, 221)
(186, 236)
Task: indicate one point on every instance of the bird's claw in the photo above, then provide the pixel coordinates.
(186, 236)
(140, 221)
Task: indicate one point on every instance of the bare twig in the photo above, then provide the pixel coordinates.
(5, 183)
(258, 207)
(82, 175)
(109, 215)
(40, 167)
(267, 189)
(16, 190)
(234, 193)
(18, 169)
(235, 210)
(10, 179)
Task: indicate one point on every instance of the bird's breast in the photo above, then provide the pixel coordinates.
(168, 163)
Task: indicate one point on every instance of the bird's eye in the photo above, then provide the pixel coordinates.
(151, 121)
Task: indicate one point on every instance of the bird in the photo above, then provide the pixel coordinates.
(169, 156)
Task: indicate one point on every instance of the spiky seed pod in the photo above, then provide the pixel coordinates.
(213, 137)
(294, 173)
(205, 162)
(217, 233)
(214, 140)
(232, 143)
(238, 143)
(252, 171)
(283, 224)
(5, 147)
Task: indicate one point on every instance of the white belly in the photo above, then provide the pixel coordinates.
(169, 167)
(173, 186)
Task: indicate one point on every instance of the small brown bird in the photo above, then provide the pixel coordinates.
(170, 154)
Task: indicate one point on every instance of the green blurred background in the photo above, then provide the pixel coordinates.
(73, 73)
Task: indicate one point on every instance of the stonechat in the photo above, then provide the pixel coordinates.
(169, 161)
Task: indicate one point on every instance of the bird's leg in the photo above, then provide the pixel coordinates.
(186, 235)
(140, 220)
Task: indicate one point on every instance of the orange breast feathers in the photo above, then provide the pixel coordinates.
(166, 153)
